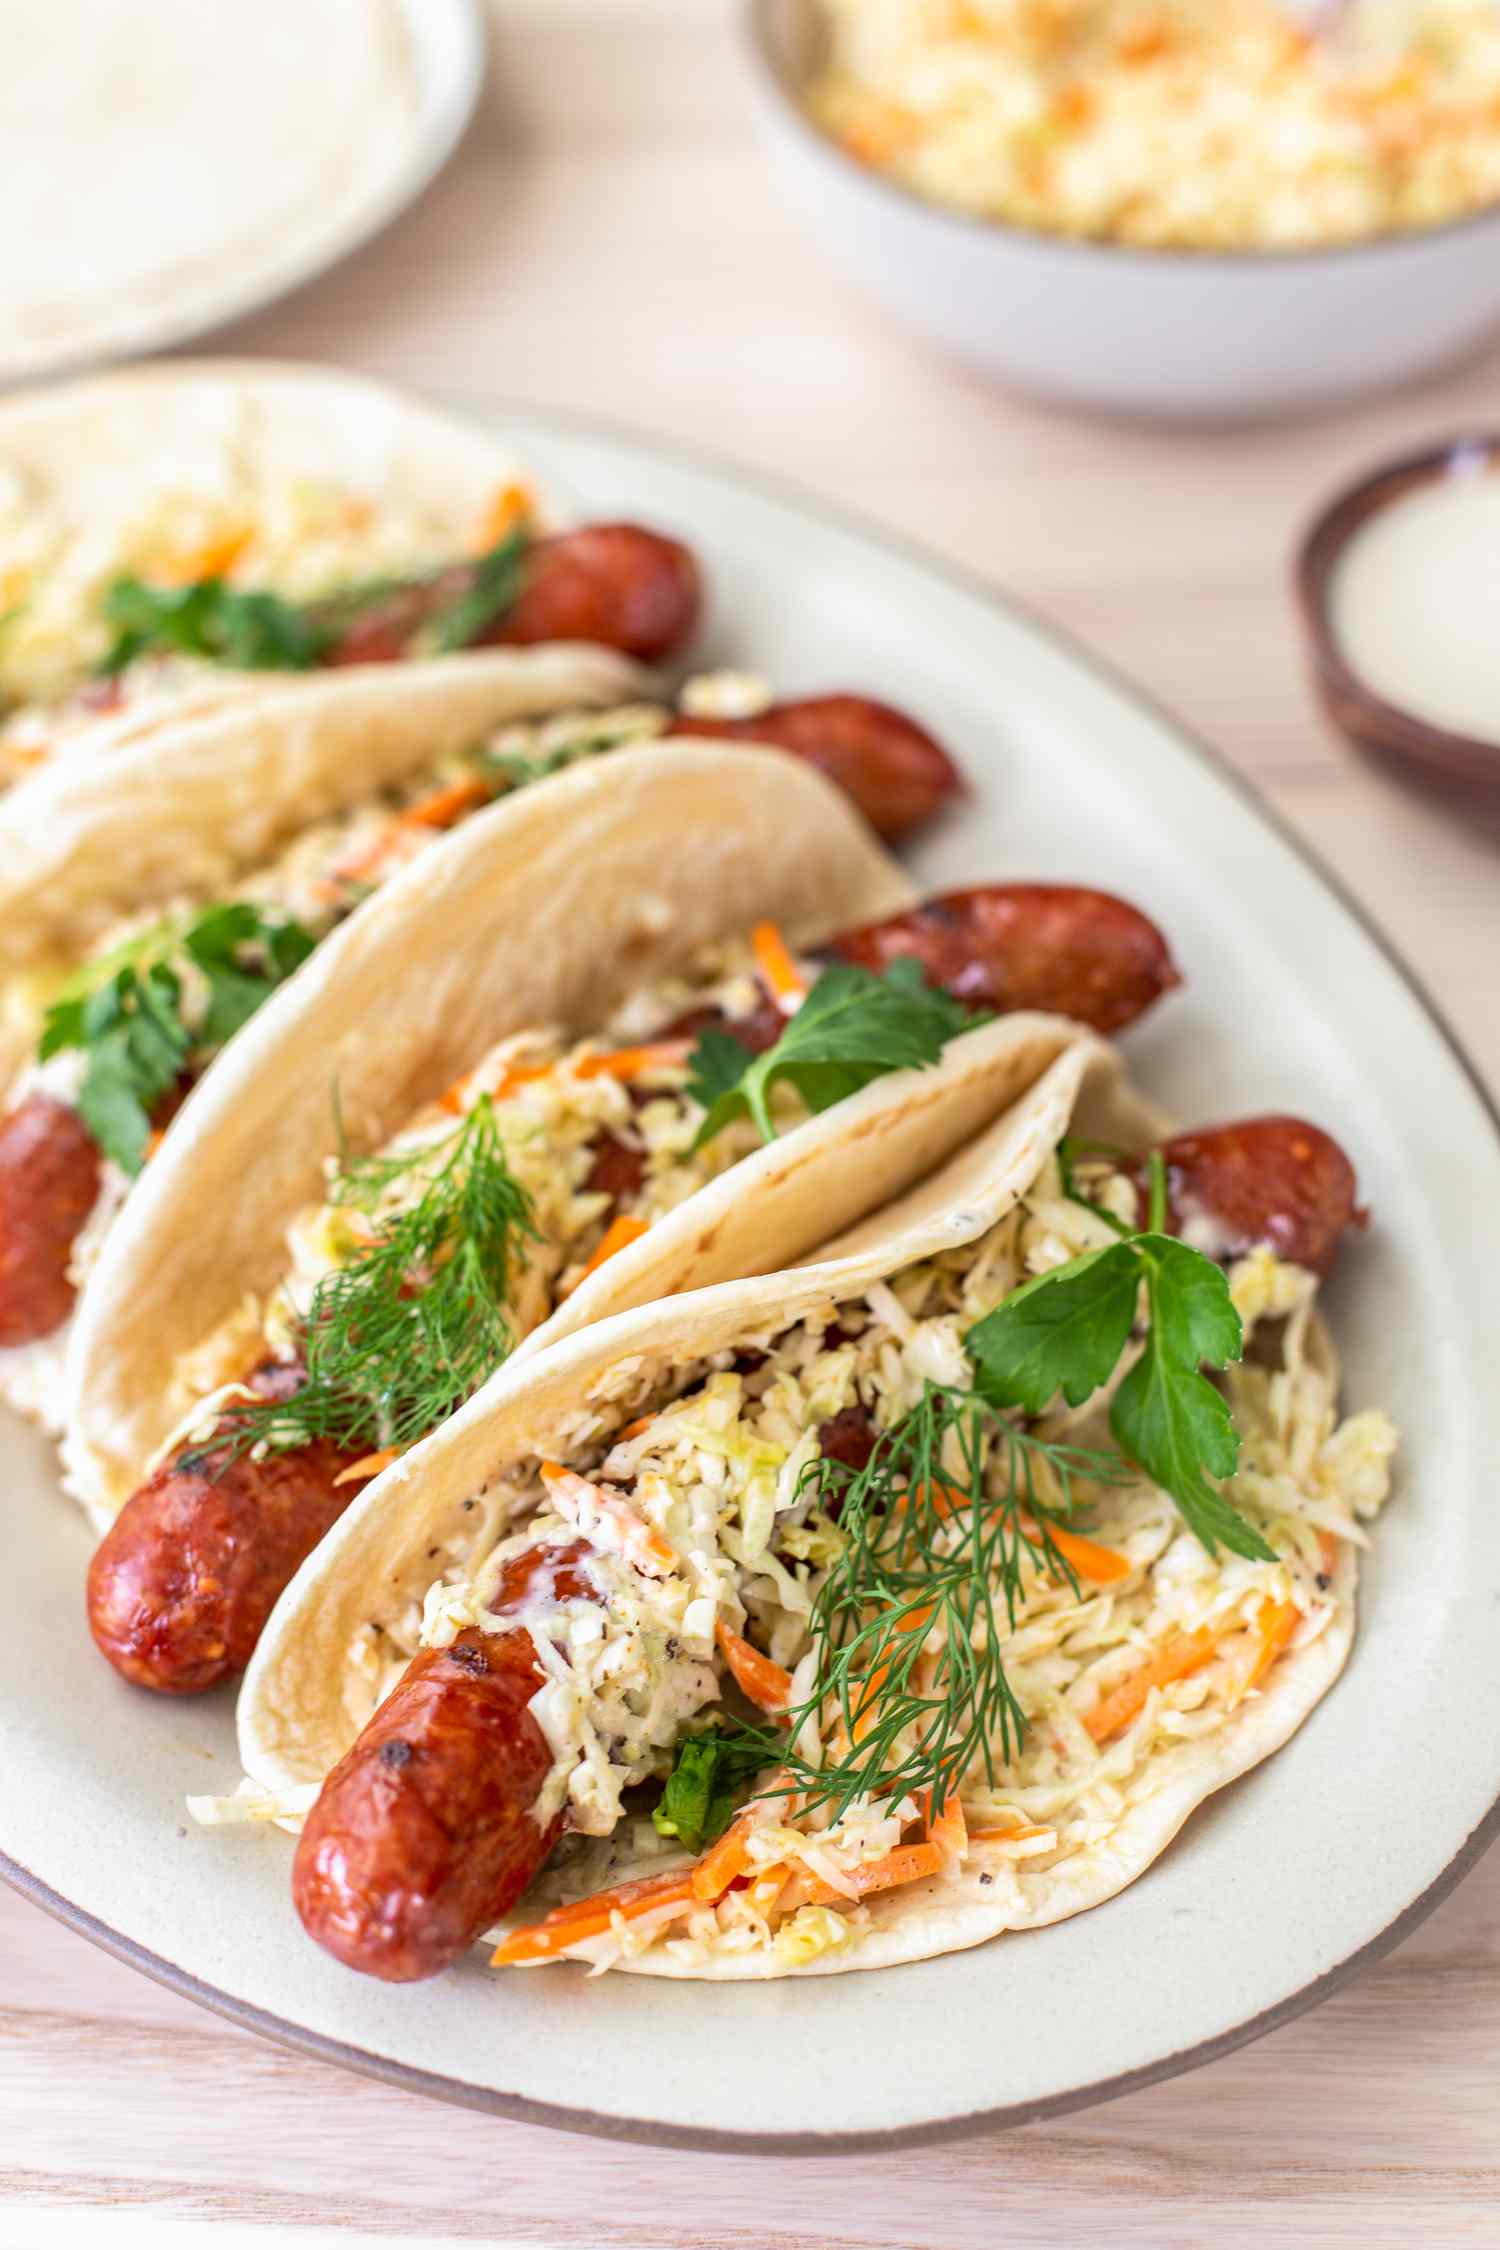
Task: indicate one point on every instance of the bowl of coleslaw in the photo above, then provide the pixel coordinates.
(1175, 209)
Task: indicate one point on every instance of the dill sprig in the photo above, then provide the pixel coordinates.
(418, 1318)
(938, 1529)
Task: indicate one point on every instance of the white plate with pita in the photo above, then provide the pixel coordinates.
(171, 168)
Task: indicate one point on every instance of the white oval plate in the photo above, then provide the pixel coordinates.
(446, 51)
(1279, 1888)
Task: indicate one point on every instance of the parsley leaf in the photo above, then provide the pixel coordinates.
(131, 1015)
(698, 1802)
(254, 632)
(852, 1028)
(716, 1066)
(1063, 1332)
(1060, 1331)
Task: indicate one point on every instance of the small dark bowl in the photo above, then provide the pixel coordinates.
(1362, 716)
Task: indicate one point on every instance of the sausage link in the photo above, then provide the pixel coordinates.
(186, 1576)
(1276, 1181)
(1004, 946)
(49, 1183)
(893, 770)
(755, 1032)
(614, 584)
(426, 1831)
(848, 1436)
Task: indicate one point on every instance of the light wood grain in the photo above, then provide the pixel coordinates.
(606, 243)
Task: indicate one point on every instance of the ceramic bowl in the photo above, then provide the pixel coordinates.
(1365, 718)
(1160, 334)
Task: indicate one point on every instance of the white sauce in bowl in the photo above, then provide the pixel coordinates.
(1414, 602)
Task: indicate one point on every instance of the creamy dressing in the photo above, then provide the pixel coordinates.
(1415, 603)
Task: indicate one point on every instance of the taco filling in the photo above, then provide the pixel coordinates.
(152, 612)
(930, 1603)
(431, 1260)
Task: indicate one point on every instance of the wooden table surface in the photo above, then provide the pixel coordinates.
(607, 242)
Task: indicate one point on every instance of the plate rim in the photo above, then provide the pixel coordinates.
(445, 112)
(601, 2125)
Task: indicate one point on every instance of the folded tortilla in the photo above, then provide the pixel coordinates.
(549, 909)
(311, 1682)
(86, 468)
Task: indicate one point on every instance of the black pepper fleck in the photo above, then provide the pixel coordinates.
(394, 1753)
(470, 1659)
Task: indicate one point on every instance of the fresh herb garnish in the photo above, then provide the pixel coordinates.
(130, 1013)
(698, 1802)
(1065, 1331)
(852, 1028)
(934, 1538)
(254, 632)
(498, 577)
(418, 1318)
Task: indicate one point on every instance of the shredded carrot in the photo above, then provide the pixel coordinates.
(765, 1683)
(1100, 1566)
(211, 560)
(767, 1887)
(908, 1863)
(725, 1860)
(455, 1098)
(868, 1701)
(510, 505)
(592, 1508)
(618, 1235)
(368, 1465)
(637, 1428)
(1274, 1627)
(1174, 1660)
(444, 806)
(592, 1917)
(154, 1140)
(948, 1829)
(1022, 1833)
(779, 973)
(634, 1062)
(1328, 1550)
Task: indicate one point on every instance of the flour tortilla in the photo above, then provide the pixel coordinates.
(551, 908)
(83, 454)
(293, 1726)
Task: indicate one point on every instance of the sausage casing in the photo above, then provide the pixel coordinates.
(49, 1183)
(184, 1579)
(1051, 946)
(615, 584)
(893, 770)
(426, 1831)
(1276, 1181)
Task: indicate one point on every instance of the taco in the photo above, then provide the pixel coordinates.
(631, 1034)
(857, 1613)
(151, 901)
(167, 538)
(144, 916)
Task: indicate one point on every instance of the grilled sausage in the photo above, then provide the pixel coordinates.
(426, 1831)
(848, 1436)
(1004, 946)
(893, 770)
(615, 584)
(49, 1183)
(186, 1576)
(1276, 1181)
